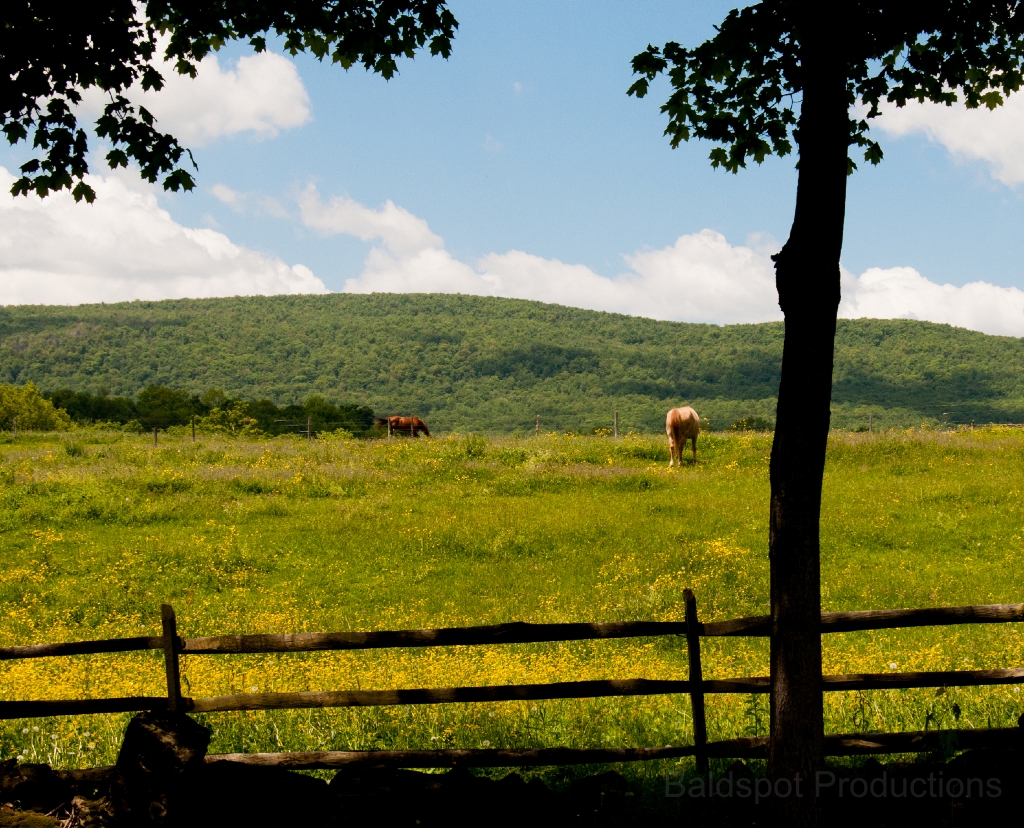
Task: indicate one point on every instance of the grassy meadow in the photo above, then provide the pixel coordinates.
(97, 529)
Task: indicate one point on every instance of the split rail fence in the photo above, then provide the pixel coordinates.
(174, 646)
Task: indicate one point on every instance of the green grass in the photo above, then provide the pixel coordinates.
(98, 529)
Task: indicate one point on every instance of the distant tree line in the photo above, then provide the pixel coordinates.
(157, 406)
(487, 364)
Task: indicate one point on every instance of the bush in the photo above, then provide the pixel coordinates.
(229, 421)
(336, 434)
(474, 446)
(34, 412)
(754, 423)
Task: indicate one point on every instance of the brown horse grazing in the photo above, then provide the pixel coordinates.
(681, 424)
(403, 425)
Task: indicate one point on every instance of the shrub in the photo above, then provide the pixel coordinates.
(754, 423)
(474, 445)
(34, 412)
(229, 421)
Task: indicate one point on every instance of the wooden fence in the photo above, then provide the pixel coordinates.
(174, 646)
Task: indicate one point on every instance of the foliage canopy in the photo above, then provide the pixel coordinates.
(51, 53)
(740, 88)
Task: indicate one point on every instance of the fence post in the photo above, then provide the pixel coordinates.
(700, 725)
(193, 428)
(537, 427)
(309, 429)
(172, 646)
(615, 430)
(154, 435)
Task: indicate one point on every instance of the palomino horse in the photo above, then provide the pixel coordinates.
(681, 424)
(403, 425)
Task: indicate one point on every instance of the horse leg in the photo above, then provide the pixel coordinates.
(671, 450)
(693, 440)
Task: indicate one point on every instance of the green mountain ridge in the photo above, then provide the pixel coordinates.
(489, 364)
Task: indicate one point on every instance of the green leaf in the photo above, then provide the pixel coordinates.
(111, 51)
(83, 190)
(739, 88)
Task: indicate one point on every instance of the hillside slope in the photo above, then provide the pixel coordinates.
(489, 364)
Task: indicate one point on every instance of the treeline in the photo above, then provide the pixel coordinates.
(488, 364)
(157, 406)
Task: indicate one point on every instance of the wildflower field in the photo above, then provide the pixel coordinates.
(98, 528)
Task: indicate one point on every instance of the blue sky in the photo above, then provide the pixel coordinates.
(526, 141)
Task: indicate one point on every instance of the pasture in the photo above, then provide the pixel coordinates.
(283, 535)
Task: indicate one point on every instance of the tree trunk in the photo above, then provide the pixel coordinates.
(807, 277)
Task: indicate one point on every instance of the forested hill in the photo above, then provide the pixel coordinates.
(489, 364)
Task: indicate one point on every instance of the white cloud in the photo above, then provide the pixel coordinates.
(239, 202)
(703, 278)
(271, 206)
(995, 136)
(262, 94)
(122, 247)
(700, 278)
(402, 232)
(226, 195)
(903, 293)
(125, 247)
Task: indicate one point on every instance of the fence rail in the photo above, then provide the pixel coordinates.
(521, 632)
(850, 744)
(842, 744)
(174, 646)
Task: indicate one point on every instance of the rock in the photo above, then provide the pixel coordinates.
(457, 798)
(87, 782)
(92, 813)
(161, 744)
(227, 793)
(32, 787)
(158, 748)
(367, 782)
